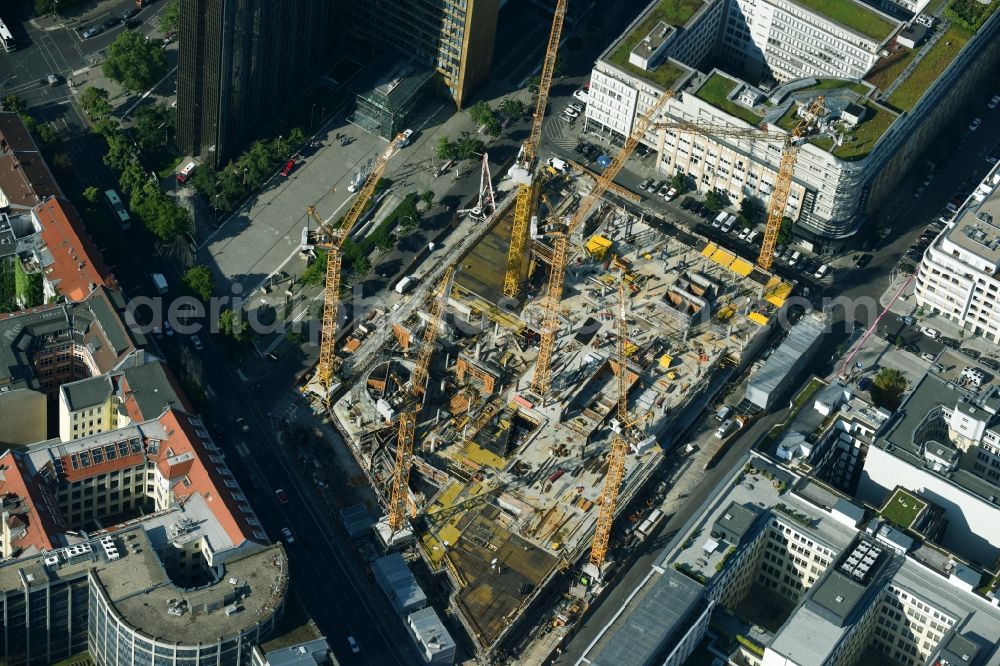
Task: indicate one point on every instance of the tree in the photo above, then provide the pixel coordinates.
(296, 138)
(899, 342)
(469, 147)
(134, 62)
(887, 389)
(11, 102)
(315, 273)
(132, 178)
(534, 83)
(96, 102)
(200, 281)
(382, 239)
(91, 194)
(679, 182)
(27, 287)
(512, 107)
(749, 210)
(446, 149)
(153, 127)
(785, 231)
(107, 126)
(170, 17)
(427, 197)
(481, 113)
(120, 151)
(714, 201)
(232, 325)
(362, 265)
(62, 162)
(160, 214)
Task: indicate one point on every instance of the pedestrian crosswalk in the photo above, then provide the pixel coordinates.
(561, 133)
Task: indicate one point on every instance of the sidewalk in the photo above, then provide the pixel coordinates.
(74, 16)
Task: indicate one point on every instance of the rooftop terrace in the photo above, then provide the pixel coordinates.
(716, 91)
(902, 508)
(932, 63)
(672, 12)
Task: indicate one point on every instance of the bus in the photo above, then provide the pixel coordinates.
(7, 38)
(119, 208)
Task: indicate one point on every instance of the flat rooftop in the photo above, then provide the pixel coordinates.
(855, 16)
(650, 618)
(976, 228)
(674, 13)
(258, 574)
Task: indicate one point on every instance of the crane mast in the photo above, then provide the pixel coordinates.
(527, 189)
(408, 418)
(619, 447)
(335, 235)
(783, 184)
(541, 379)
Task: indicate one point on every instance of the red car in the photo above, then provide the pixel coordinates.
(281, 495)
(287, 169)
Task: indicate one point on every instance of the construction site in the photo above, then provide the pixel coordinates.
(504, 487)
(518, 400)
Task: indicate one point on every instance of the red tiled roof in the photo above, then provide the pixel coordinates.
(39, 525)
(25, 178)
(77, 264)
(203, 476)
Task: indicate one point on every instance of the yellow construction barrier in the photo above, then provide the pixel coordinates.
(741, 267)
(709, 249)
(757, 318)
(666, 360)
(778, 294)
(723, 257)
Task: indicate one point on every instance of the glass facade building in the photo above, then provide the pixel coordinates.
(240, 64)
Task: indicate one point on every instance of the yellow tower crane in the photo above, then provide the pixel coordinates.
(542, 376)
(786, 169)
(331, 239)
(524, 171)
(408, 417)
(619, 447)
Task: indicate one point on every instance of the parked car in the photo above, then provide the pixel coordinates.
(581, 95)
(863, 261)
(281, 495)
(111, 22)
(931, 333)
(575, 107)
(752, 236)
(644, 185)
(287, 169)
(974, 125)
(665, 191)
(91, 31)
(354, 645)
(994, 102)
(571, 112)
(287, 535)
(132, 23)
(242, 424)
(671, 194)
(743, 233)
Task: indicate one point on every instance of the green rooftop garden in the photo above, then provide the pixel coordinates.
(671, 12)
(903, 508)
(716, 91)
(852, 15)
(886, 71)
(863, 137)
(934, 62)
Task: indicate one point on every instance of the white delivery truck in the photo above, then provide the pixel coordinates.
(404, 285)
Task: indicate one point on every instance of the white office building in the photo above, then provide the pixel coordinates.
(958, 277)
(773, 58)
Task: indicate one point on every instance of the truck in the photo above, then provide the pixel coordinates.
(160, 282)
(404, 285)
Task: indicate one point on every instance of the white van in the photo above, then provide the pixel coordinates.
(724, 429)
(795, 258)
(723, 413)
(719, 219)
(407, 137)
(728, 224)
(821, 271)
